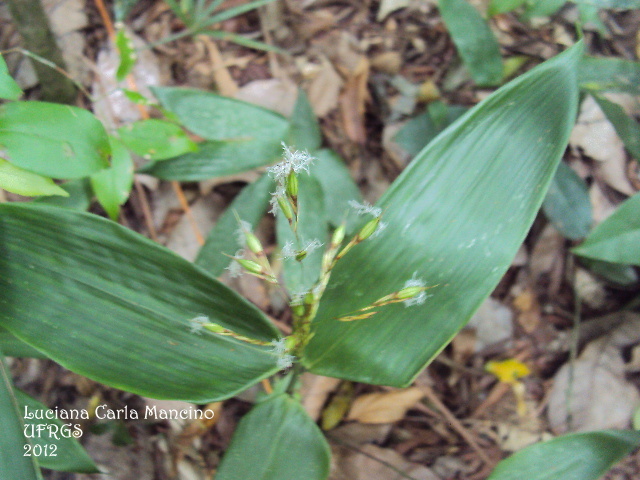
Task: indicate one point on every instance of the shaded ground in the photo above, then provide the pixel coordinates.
(365, 76)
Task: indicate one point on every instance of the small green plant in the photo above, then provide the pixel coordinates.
(375, 292)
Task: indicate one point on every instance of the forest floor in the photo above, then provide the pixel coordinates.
(367, 67)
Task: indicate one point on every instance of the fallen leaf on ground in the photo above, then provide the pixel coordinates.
(385, 407)
(598, 396)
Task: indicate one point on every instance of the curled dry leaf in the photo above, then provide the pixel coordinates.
(386, 407)
(493, 323)
(597, 138)
(599, 397)
(315, 390)
(324, 89)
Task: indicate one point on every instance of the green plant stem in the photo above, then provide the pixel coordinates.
(33, 26)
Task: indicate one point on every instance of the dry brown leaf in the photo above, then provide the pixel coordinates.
(528, 307)
(492, 322)
(389, 6)
(597, 138)
(600, 396)
(274, 94)
(386, 407)
(601, 206)
(589, 289)
(324, 89)
(352, 102)
(352, 465)
(545, 253)
(315, 390)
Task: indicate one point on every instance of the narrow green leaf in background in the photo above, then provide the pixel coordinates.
(69, 454)
(626, 127)
(420, 130)
(216, 159)
(503, 6)
(609, 74)
(578, 456)
(543, 8)
(53, 140)
(312, 226)
(156, 139)
(13, 462)
(113, 185)
(277, 440)
(9, 89)
(109, 304)
(474, 40)
(617, 239)
(305, 131)
(338, 187)
(567, 204)
(459, 212)
(215, 117)
(612, 272)
(250, 205)
(23, 182)
(79, 198)
(127, 53)
(13, 347)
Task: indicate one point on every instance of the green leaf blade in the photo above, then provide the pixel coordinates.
(23, 182)
(277, 440)
(113, 185)
(69, 454)
(578, 456)
(13, 463)
(567, 204)
(617, 239)
(9, 89)
(250, 205)
(474, 40)
(156, 139)
(456, 217)
(116, 307)
(53, 140)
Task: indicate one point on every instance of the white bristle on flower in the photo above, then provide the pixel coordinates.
(421, 297)
(365, 208)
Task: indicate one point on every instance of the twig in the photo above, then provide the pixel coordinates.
(455, 423)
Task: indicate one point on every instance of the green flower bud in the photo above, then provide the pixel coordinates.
(215, 328)
(338, 235)
(409, 292)
(291, 184)
(250, 265)
(301, 255)
(253, 243)
(368, 229)
(285, 206)
(298, 310)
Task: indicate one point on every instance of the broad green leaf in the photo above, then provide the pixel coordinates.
(9, 89)
(23, 182)
(615, 4)
(53, 140)
(156, 139)
(420, 130)
(112, 305)
(113, 185)
(613, 272)
(69, 456)
(216, 159)
(474, 40)
(312, 226)
(338, 187)
(305, 131)
(578, 456)
(567, 204)
(277, 440)
(220, 118)
(250, 205)
(609, 74)
(13, 347)
(13, 463)
(79, 198)
(503, 6)
(543, 8)
(617, 239)
(590, 18)
(626, 127)
(127, 53)
(456, 217)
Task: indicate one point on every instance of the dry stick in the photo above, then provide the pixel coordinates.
(455, 423)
